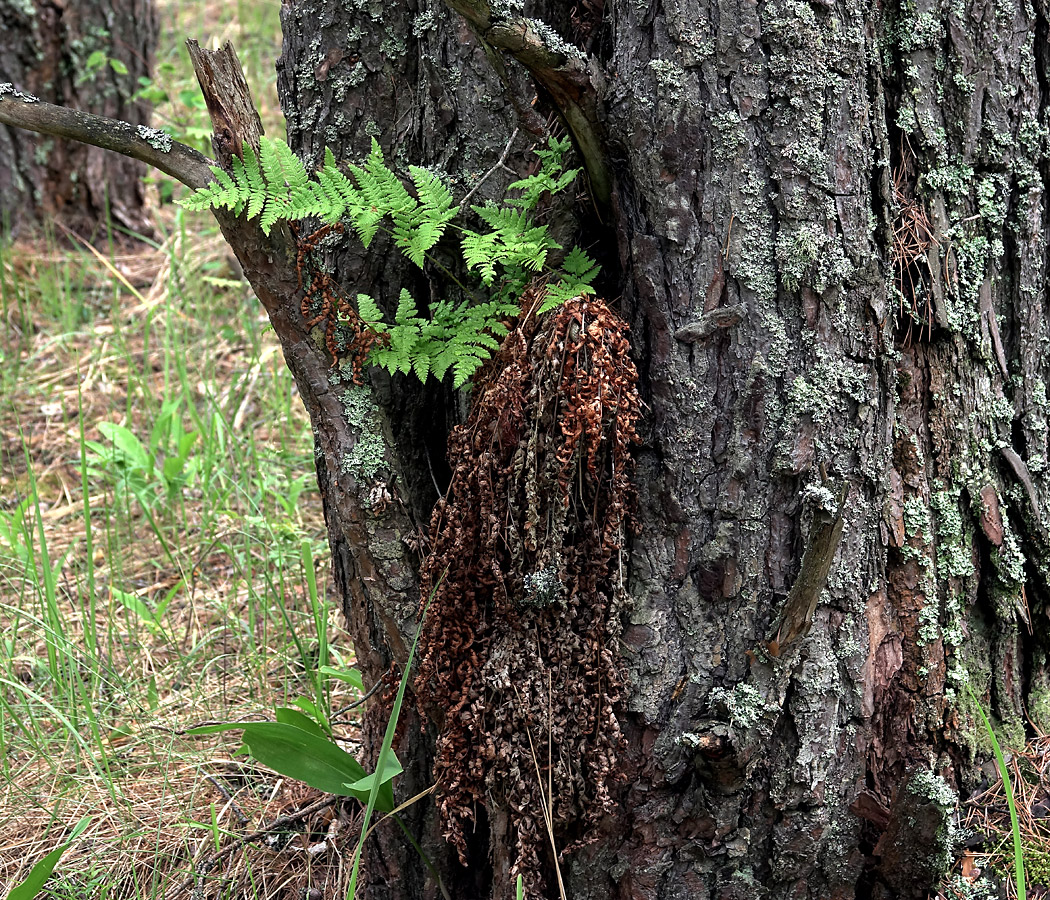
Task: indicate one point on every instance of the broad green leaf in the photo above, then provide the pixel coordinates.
(390, 771)
(304, 756)
(287, 716)
(314, 713)
(126, 442)
(350, 676)
(139, 607)
(40, 873)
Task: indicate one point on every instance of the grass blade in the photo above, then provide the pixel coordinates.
(385, 751)
(1015, 826)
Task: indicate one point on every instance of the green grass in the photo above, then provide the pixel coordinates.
(162, 552)
(184, 588)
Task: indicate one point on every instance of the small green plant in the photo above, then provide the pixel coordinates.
(14, 541)
(152, 618)
(40, 873)
(157, 473)
(385, 759)
(298, 746)
(274, 186)
(1037, 863)
(96, 62)
(1004, 773)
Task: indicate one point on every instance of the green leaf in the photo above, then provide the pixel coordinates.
(302, 755)
(124, 440)
(350, 676)
(137, 606)
(305, 756)
(117, 66)
(370, 314)
(421, 367)
(40, 873)
(406, 307)
(288, 716)
(580, 265)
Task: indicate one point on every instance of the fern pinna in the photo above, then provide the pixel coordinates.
(275, 186)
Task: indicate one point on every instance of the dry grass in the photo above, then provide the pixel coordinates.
(95, 698)
(132, 610)
(988, 816)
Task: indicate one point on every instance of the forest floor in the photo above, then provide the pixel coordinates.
(158, 524)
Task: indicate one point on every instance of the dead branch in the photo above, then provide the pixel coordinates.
(153, 147)
(560, 69)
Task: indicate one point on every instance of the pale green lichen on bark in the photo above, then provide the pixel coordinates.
(157, 139)
(368, 455)
(954, 557)
(9, 90)
(743, 704)
(930, 787)
(670, 79)
(26, 7)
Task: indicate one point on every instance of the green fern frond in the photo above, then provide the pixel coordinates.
(479, 253)
(369, 312)
(551, 179)
(280, 166)
(580, 266)
(406, 308)
(382, 193)
(515, 243)
(222, 192)
(274, 185)
(421, 367)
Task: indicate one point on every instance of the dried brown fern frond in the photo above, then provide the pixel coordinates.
(526, 574)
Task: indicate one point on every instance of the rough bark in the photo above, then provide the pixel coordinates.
(832, 416)
(44, 49)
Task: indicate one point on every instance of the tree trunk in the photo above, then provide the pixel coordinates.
(826, 226)
(45, 48)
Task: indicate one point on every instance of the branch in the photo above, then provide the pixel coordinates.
(560, 69)
(153, 147)
(824, 537)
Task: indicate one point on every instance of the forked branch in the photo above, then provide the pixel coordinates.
(559, 68)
